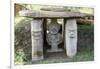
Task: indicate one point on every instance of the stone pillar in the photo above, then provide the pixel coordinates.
(37, 39)
(71, 37)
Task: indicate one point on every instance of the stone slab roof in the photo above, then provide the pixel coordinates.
(50, 14)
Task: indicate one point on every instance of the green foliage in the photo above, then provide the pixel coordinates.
(22, 41)
(20, 57)
(85, 37)
(85, 28)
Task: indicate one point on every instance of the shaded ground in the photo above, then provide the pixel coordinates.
(60, 57)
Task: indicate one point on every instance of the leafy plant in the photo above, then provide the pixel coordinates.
(20, 57)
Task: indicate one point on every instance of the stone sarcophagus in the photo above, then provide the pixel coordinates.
(53, 37)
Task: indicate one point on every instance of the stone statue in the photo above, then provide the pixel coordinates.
(54, 38)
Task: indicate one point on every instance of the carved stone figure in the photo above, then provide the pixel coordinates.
(71, 37)
(53, 36)
(37, 39)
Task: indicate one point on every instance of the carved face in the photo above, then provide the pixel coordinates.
(72, 33)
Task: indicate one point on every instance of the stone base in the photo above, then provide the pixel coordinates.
(54, 50)
(34, 59)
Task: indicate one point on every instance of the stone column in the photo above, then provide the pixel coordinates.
(37, 39)
(71, 37)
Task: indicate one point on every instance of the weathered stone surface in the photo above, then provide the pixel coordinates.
(54, 37)
(71, 37)
(37, 39)
(50, 14)
(53, 9)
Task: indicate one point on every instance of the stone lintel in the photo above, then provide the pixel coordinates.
(50, 14)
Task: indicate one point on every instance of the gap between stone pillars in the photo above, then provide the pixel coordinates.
(44, 36)
(37, 39)
(71, 37)
(64, 20)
